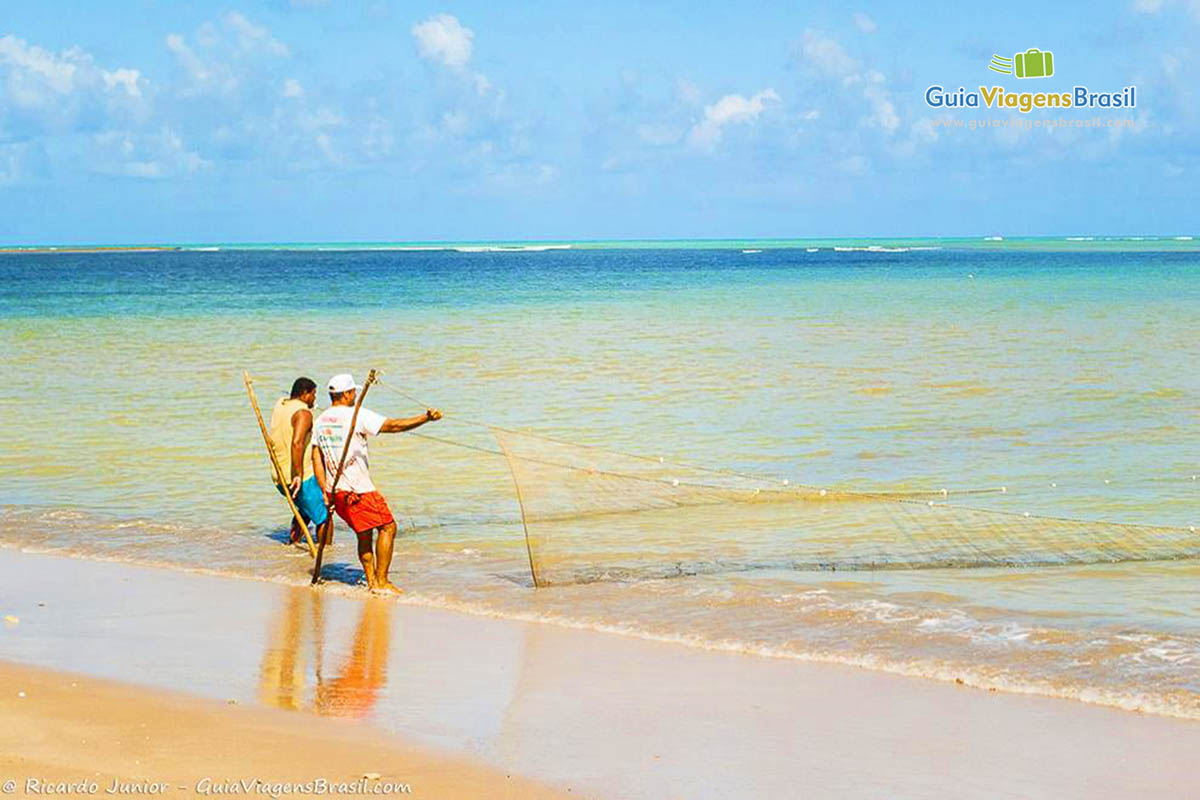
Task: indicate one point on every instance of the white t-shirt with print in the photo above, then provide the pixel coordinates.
(329, 434)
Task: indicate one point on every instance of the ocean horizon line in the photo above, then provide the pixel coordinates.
(1168, 242)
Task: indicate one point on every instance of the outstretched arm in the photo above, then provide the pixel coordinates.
(402, 424)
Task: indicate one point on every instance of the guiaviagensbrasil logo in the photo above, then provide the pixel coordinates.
(1031, 63)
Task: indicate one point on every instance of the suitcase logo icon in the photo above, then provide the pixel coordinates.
(1033, 63)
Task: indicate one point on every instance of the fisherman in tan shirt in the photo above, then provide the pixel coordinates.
(291, 432)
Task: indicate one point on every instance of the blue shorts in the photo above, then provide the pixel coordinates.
(310, 501)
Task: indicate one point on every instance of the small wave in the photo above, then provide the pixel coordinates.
(979, 676)
(500, 248)
(382, 248)
(992, 677)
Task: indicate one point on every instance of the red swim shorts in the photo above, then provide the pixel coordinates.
(362, 512)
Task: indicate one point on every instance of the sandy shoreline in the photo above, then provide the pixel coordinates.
(93, 737)
(596, 713)
(68, 250)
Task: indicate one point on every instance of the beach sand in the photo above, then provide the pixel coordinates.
(61, 728)
(592, 713)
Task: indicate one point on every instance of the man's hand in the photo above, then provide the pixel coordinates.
(295, 487)
(402, 424)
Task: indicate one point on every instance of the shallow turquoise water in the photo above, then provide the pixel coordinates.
(1065, 374)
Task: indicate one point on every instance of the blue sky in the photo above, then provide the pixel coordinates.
(377, 120)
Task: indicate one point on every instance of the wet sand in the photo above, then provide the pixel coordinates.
(595, 713)
(101, 737)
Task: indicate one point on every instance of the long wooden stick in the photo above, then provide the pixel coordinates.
(278, 470)
(337, 476)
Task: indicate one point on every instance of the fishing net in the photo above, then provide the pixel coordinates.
(592, 514)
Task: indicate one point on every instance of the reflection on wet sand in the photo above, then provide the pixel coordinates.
(297, 641)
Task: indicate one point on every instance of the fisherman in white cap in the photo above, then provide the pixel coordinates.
(355, 497)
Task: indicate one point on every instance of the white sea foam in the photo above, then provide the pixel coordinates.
(386, 249)
(525, 248)
(982, 675)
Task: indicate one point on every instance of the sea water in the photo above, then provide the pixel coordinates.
(1062, 370)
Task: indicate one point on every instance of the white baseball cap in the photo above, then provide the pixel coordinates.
(342, 382)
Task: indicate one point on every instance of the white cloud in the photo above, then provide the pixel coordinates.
(730, 109)
(127, 79)
(443, 39)
(325, 143)
(455, 123)
(1156, 6)
(320, 119)
(111, 119)
(883, 110)
(922, 133)
(160, 154)
(13, 158)
(658, 134)
(33, 64)
(523, 176)
(825, 54)
(864, 23)
(924, 130)
(207, 36)
(59, 91)
(219, 61)
(687, 91)
(204, 74)
(253, 37)
(378, 140)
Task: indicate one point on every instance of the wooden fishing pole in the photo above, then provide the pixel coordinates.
(278, 470)
(337, 476)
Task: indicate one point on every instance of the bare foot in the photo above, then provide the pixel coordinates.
(388, 586)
